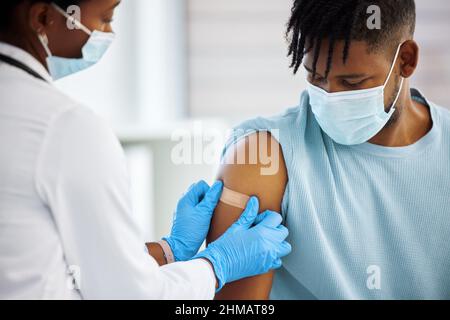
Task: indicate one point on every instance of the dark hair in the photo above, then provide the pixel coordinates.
(7, 8)
(312, 21)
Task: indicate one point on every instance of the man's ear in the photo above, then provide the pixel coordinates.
(409, 56)
(41, 16)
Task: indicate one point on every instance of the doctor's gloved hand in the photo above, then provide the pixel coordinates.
(192, 219)
(253, 245)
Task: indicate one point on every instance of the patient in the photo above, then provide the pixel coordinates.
(362, 183)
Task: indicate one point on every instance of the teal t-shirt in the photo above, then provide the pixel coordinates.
(365, 221)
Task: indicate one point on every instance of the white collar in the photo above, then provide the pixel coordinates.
(26, 58)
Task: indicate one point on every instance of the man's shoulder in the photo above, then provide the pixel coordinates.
(441, 118)
(291, 119)
(443, 112)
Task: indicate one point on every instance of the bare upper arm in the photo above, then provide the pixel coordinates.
(254, 166)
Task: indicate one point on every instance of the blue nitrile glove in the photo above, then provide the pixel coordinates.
(253, 245)
(192, 219)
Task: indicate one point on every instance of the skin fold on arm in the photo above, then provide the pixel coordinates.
(255, 167)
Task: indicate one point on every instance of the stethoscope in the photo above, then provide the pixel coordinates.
(20, 65)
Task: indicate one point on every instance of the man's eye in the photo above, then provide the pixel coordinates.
(352, 84)
(348, 84)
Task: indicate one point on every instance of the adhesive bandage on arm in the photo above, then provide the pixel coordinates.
(234, 198)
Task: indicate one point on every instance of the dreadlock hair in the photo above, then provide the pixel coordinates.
(313, 21)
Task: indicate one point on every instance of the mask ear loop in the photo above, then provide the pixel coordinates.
(398, 94)
(44, 41)
(393, 65)
(389, 76)
(77, 23)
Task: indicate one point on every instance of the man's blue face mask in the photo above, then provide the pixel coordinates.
(94, 49)
(352, 117)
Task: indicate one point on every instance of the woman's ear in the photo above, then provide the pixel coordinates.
(409, 58)
(41, 17)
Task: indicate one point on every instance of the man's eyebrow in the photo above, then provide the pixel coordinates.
(341, 76)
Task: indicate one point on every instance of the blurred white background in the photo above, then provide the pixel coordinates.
(178, 64)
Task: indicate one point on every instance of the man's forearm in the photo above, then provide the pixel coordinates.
(156, 251)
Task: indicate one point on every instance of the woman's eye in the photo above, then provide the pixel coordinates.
(108, 20)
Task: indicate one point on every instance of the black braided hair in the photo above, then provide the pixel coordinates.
(313, 21)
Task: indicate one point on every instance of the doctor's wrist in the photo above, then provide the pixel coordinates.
(157, 252)
(180, 250)
(171, 246)
(167, 250)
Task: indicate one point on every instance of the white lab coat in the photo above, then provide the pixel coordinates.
(65, 210)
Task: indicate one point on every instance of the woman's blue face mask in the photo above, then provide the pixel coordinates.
(94, 49)
(352, 117)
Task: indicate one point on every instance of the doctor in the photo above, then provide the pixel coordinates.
(66, 225)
